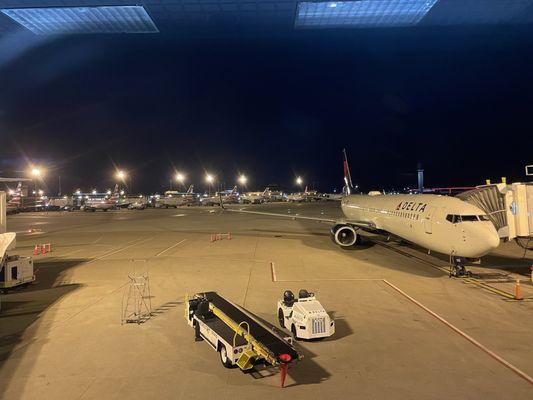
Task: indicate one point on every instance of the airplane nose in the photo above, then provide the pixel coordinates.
(493, 240)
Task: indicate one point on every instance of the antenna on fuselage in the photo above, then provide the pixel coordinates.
(348, 186)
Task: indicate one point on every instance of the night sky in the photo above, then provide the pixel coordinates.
(457, 100)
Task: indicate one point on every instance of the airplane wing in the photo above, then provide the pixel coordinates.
(359, 224)
(15, 180)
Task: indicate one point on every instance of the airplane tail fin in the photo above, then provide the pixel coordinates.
(265, 192)
(115, 192)
(16, 198)
(234, 190)
(348, 185)
(305, 190)
(191, 188)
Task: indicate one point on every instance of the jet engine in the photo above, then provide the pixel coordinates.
(344, 235)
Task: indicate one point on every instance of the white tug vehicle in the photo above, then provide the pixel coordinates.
(304, 317)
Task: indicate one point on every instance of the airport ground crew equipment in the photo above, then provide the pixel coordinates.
(14, 270)
(220, 236)
(304, 317)
(240, 337)
(137, 299)
(518, 291)
(42, 249)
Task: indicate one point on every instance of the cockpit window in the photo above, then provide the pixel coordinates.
(454, 219)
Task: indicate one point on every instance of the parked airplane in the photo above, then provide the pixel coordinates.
(103, 204)
(176, 199)
(255, 197)
(14, 204)
(297, 197)
(225, 197)
(306, 195)
(273, 193)
(438, 223)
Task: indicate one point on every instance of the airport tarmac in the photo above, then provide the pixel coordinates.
(405, 330)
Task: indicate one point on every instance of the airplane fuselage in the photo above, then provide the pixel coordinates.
(439, 223)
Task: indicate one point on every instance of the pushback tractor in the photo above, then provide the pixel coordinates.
(304, 316)
(241, 338)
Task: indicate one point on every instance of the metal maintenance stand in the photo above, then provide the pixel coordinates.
(137, 300)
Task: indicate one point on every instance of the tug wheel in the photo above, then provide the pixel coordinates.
(224, 357)
(293, 331)
(281, 318)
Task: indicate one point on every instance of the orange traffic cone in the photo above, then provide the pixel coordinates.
(518, 291)
(36, 250)
(43, 249)
(284, 367)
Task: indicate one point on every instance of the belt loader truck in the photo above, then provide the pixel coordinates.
(240, 338)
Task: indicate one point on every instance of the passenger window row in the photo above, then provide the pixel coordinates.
(404, 214)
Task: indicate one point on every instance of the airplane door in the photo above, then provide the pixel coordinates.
(428, 224)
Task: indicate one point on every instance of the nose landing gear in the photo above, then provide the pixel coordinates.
(457, 268)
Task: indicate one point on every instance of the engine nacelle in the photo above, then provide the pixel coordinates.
(344, 235)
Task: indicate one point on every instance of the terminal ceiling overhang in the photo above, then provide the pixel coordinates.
(284, 15)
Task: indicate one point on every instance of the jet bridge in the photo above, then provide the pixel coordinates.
(509, 207)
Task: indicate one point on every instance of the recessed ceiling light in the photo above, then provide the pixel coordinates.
(74, 20)
(361, 13)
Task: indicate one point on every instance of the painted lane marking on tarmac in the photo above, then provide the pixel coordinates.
(171, 247)
(480, 346)
(118, 250)
(474, 281)
(273, 271)
(180, 215)
(502, 361)
(71, 252)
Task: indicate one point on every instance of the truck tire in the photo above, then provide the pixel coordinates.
(281, 318)
(224, 357)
